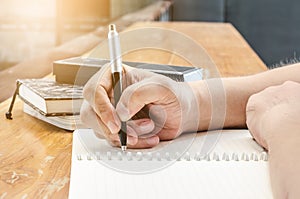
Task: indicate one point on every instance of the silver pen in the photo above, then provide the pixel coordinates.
(116, 71)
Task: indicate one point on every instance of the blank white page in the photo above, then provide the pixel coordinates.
(181, 179)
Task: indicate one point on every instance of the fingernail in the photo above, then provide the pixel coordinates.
(130, 131)
(122, 112)
(152, 141)
(146, 126)
(113, 127)
(131, 140)
(145, 122)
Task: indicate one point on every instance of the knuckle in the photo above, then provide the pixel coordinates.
(105, 113)
(114, 143)
(252, 101)
(101, 107)
(101, 127)
(289, 82)
(83, 117)
(88, 89)
(99, 134)
(85, 111)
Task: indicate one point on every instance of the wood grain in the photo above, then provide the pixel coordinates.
(35, 157)
(223, 43)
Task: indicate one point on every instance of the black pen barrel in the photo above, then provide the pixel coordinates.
(117, 87)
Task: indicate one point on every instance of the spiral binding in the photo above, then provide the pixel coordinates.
(149, 156)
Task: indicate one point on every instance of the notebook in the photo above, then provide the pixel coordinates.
(215, 164)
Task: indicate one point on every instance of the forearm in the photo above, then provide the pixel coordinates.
(232, 94)
(238, 90)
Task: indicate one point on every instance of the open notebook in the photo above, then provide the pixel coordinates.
(227, 164)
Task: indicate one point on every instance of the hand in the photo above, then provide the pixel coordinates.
(160, 108)
(273, 111)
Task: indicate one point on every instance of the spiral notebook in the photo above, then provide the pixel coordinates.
(215, 164)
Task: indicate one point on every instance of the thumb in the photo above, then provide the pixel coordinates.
(136, 96)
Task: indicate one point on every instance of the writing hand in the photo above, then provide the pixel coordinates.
(160, 108)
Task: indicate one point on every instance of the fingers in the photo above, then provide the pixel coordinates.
(149, 142)
(90, 119)
(136, 96)
(98, 93)
(101, 115)
(106, 111)
(135, 128)
(257, 115)
(102, 79)
(253, 118)
(141, 126)
(141, 143)
(260, 108)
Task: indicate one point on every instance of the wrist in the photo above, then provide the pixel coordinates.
(203, 101)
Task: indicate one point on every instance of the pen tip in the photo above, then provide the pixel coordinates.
(112, 27)
(123, 148)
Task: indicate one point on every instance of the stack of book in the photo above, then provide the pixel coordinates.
(58, 101)
(52, 102)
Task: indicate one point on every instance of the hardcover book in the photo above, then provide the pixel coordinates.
(50, 98)
(79, 70)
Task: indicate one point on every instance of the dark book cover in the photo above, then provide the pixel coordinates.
(79, 70)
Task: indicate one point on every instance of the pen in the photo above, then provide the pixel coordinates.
(116, 71)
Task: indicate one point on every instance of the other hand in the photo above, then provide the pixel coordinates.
(275, 109)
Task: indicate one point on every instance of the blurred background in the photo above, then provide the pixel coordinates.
(30, 27)
(26, 28)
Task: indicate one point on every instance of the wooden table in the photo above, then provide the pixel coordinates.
(35, 157)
